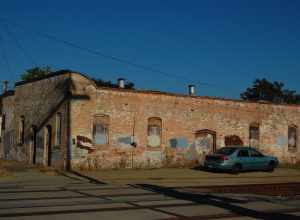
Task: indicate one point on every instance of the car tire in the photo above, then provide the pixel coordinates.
(237, 168)
(271, 166)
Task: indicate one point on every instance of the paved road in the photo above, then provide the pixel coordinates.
(35, 196)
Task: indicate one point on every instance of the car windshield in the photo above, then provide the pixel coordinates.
(226, 150)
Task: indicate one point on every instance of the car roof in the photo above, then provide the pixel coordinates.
(239, 147)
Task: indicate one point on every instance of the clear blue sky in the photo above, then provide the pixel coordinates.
(226, 44)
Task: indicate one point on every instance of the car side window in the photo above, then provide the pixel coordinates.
(255, 153)
(243, 153)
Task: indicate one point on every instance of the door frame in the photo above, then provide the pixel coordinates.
(33, 144)
(48, 145)
(211, 132)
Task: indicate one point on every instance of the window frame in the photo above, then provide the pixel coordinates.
(103, 120)
(238, 154)
(255, 151)
(257, 127)
(293, 148)
(154, 122)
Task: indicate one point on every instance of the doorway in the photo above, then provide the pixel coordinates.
(33, 144)
(48, 144)
(206, 140)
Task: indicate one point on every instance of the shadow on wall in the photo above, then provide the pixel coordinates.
(7, 143)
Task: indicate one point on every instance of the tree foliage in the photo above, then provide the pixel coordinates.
(41, 72)
(100, 82)
(35, 73)
(274, 92)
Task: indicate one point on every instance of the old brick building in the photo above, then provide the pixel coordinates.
(65, 120)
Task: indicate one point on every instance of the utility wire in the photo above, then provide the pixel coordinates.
(114, 58)
(19, 45)
(4, 54)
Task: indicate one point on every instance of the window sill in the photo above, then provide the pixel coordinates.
(154, 148)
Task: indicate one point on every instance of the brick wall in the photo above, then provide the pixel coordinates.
(38, 102)
(182, 117)
(191, 127)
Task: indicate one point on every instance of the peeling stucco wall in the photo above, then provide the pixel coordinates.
(38, 102)
(190, 126)
(181, 118)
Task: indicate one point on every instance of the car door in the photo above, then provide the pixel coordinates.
(258, 161)
(244, 159)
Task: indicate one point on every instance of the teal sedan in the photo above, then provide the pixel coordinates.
(240, 158)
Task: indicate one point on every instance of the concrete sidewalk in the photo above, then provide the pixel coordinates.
(190, 177)
(63, 198)
(34, 194)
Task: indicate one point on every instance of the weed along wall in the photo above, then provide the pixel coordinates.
(117, 128)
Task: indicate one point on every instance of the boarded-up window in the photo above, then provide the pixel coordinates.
(58, 128)
(100, 129)
(21, 130)
(292, 141)
(254, 135)
(154, 132)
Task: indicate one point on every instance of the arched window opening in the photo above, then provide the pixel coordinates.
(100, 129)
(154, 132)
(292, 138)
(254, 135)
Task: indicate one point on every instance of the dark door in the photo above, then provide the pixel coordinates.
(49, 144)
(33, 142)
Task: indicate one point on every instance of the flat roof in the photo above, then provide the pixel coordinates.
(154, 92)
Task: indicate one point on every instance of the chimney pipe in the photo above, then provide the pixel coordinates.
(5, 86)
(121, 83)
(192, 91)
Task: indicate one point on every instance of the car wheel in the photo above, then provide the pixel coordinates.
(271, 166)
(237, 168)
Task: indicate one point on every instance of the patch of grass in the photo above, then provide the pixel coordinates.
(290, 166)
(4, 172)
(48, 171)
(3, 168)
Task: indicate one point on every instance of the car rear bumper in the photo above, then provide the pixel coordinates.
(218, 166)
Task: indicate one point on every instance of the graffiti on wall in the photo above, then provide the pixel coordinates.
(281, 141)
(233, 140)
(85, 143)
(179, 143)
(204, 142)
(126, 141)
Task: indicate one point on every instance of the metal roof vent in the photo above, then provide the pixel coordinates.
(121, 83)
(192, 91)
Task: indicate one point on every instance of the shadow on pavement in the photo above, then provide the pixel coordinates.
(217, 201)
(90, 179)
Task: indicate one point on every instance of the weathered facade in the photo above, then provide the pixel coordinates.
(65, 120)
